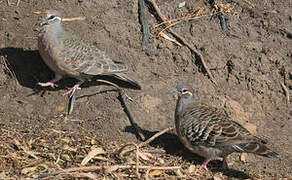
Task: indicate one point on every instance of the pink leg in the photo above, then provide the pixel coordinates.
(52, 82)
(72, 90)
(224, 163)
(204, 165)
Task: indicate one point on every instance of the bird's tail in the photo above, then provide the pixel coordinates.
(257, 148)
(126, 78)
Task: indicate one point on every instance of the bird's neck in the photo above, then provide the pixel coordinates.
(52, 29)
(51, 33)
(182, 104)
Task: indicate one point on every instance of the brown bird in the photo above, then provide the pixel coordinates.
(210, 133)
(68, 55)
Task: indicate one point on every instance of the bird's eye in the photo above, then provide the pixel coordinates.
(51, 17)
(184, 91)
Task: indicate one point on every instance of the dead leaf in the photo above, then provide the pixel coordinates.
(66, 140)
(28, 170)
(155, 173)
(93, 141)
(250, 127)
(86, 175)
(60, 108)
(111, 169)
(68, 148)
(148, 157)
(66, 157)
(3, 175)
(25, 148)
(179, 173)
(161, 34)
(243, 157)
(95, 151)
(192, 169)
(216, 178)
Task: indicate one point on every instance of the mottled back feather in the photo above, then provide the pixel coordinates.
(200, 125)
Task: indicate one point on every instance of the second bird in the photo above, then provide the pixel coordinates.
(209, 132)
(68, 55)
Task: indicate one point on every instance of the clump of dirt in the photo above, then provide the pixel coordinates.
(251, 62)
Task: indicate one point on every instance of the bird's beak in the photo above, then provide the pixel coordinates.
(173, 91)
(41, 22)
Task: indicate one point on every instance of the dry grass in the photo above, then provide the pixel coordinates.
(60, 155)
(26, 156)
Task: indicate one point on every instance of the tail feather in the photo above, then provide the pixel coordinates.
(126, 78)
(257, 148)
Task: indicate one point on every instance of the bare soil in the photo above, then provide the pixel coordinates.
(249, 63)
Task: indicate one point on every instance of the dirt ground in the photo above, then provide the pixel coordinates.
(249, 61)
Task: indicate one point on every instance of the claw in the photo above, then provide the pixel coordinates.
(204, 165)
(51, 84)
(72, 90)
(224, 164)
(128, 97)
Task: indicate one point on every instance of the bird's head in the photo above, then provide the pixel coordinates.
(51, 17)
(182, 91)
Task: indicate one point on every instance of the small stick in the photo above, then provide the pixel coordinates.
(122, 152)
(71, 102)
(6, 66)
(124, 104)
(74, 19)
(131, 119)
(155, 136)
(286, 93)
(144, 24)
(137, 160)
(163, 18)
(126, 109)
(177, 21)
(260, 8)
(98, 168)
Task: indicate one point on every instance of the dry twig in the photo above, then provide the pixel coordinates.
(163, 18)
(104, 168)
(74, 19)
(258, 7)
(286, 93)
(144, 24)
(6, 66)
(121, 151)
(131, 119)
(122, 95)
(10, 3)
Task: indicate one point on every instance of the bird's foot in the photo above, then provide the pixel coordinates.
(204, 165)
(126, 95)
(72, 90)
(224, 164)
(50, 83)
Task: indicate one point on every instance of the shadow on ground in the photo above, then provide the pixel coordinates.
(172, 146)
(29, 69)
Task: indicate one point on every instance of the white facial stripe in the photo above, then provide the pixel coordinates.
(185, 91)
(57, 17)
(188, 92)
(54, 18)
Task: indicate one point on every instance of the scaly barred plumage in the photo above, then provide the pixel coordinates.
(68, 55)
(210, 132)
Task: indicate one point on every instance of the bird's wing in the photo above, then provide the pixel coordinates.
(80, 56)
(210, 126)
